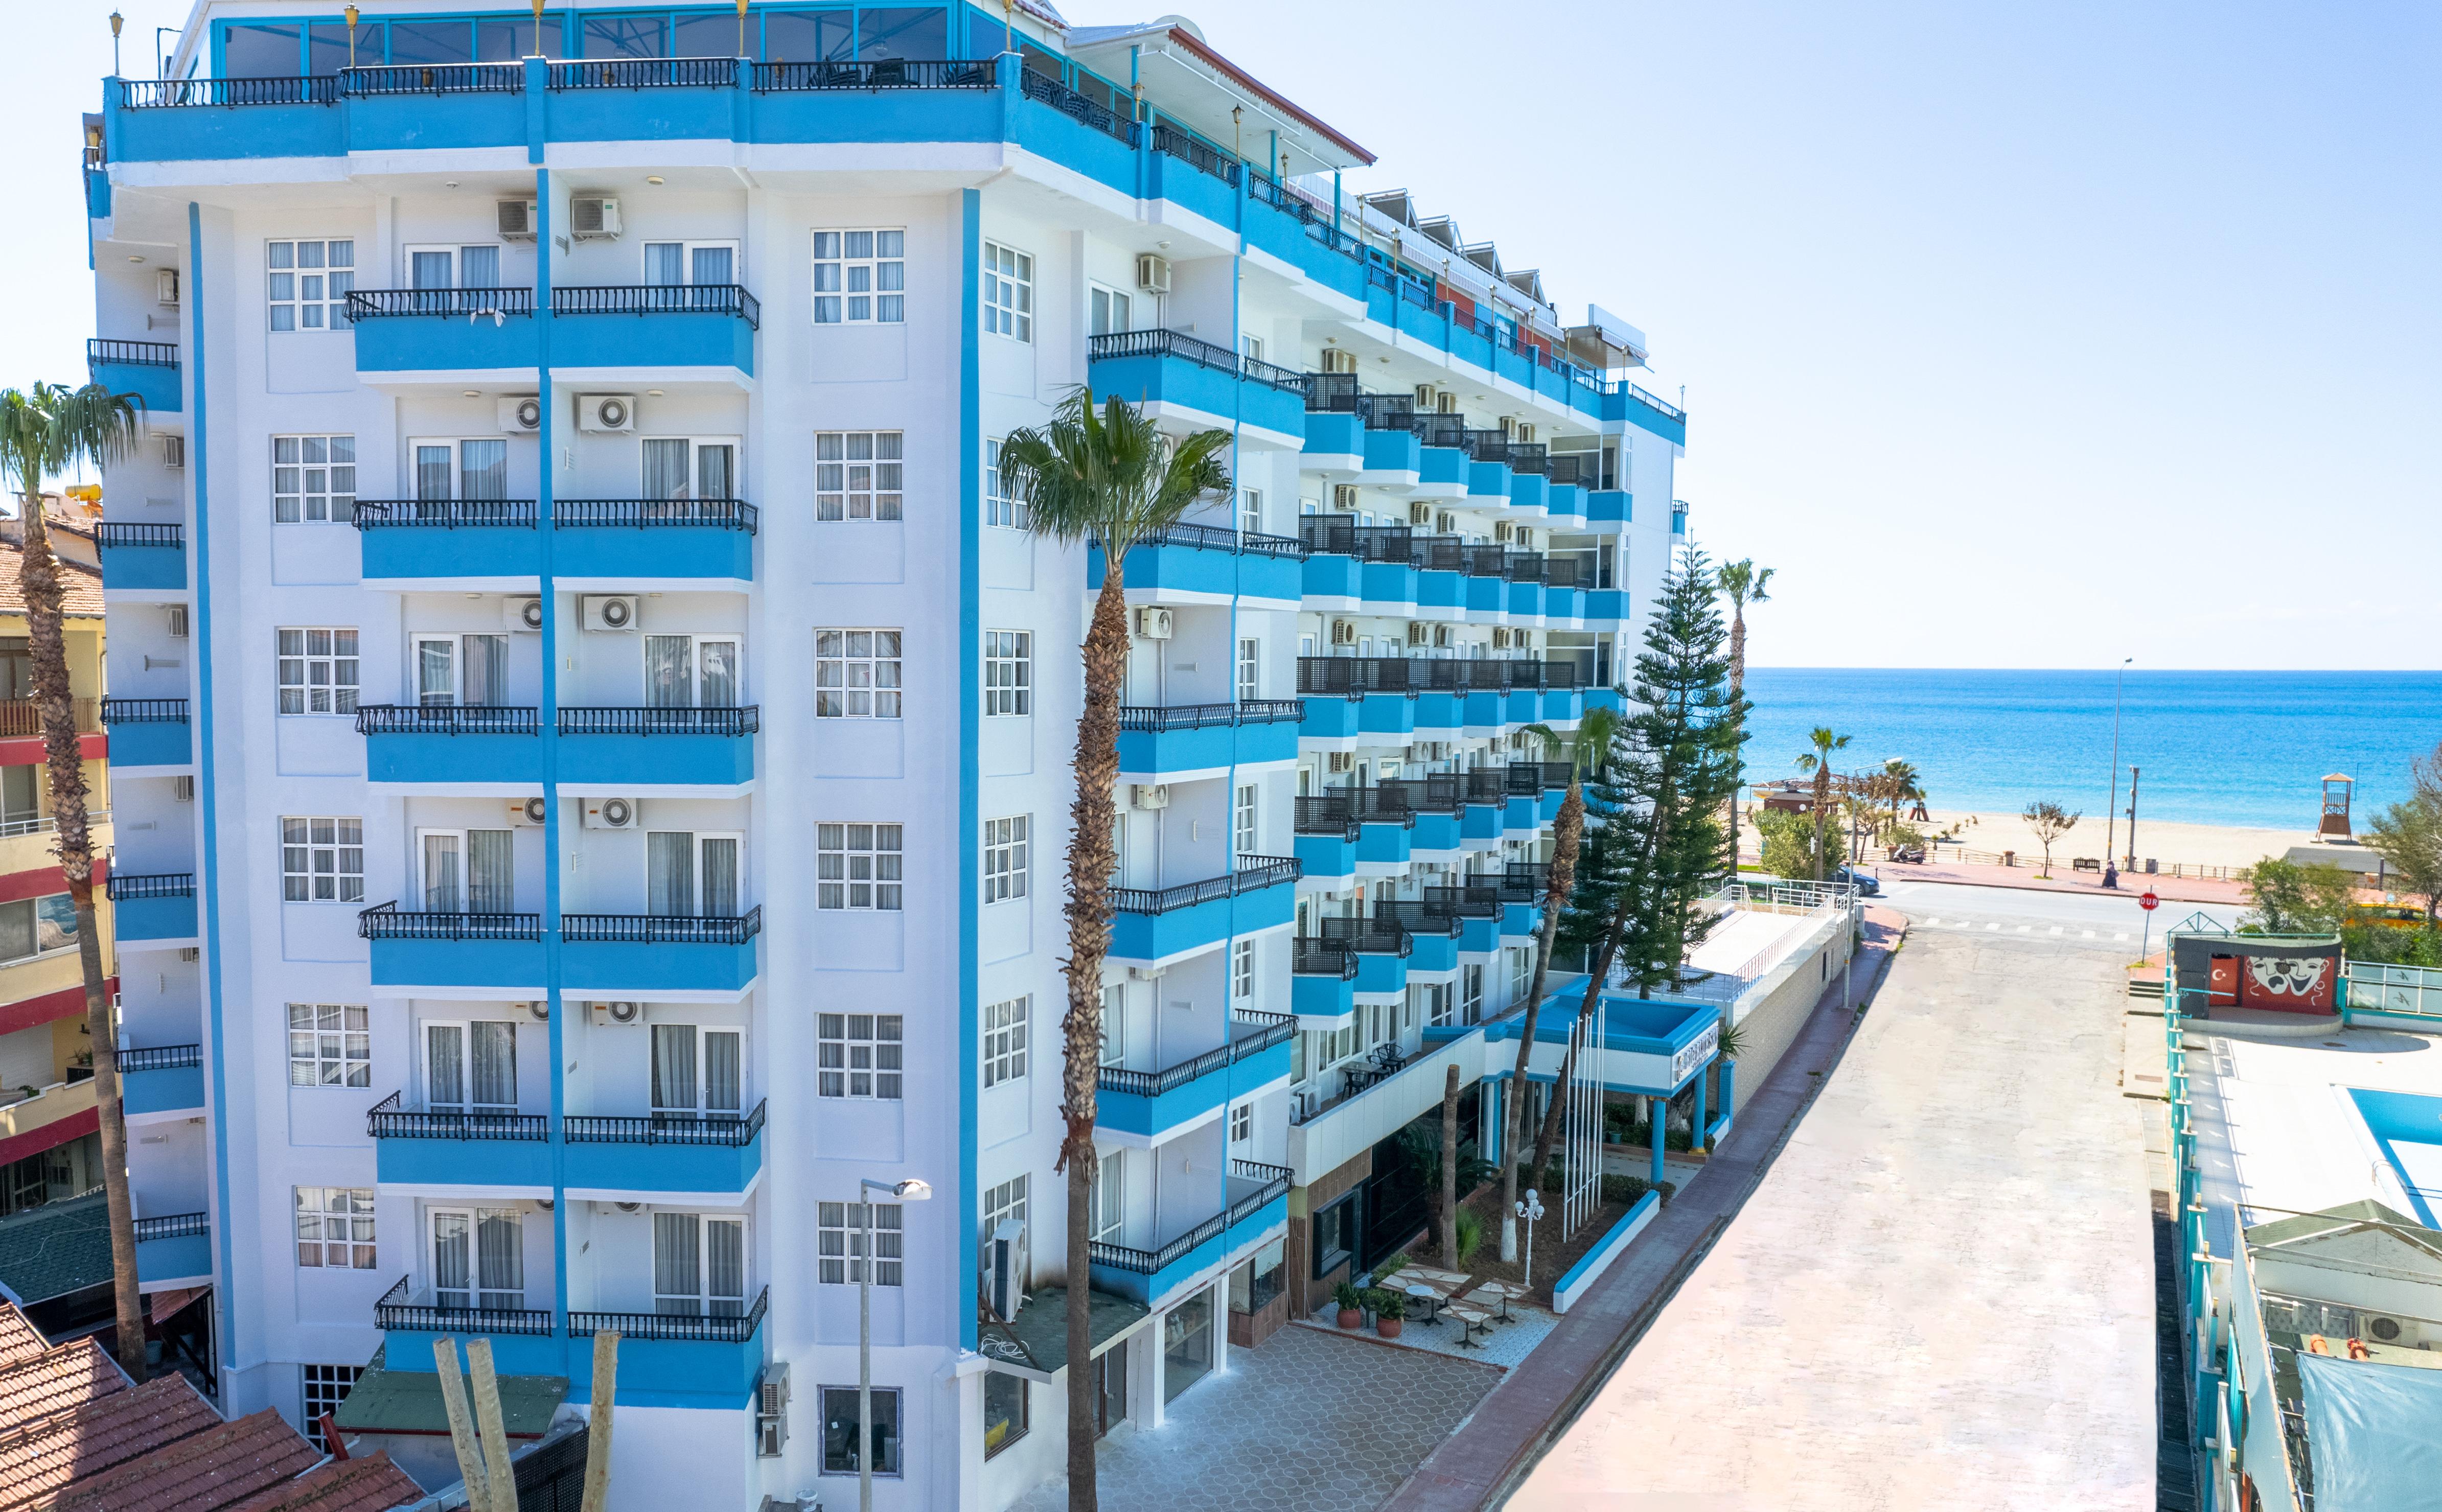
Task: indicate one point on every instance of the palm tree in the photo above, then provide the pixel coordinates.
(1111, 478)
(1905, 784)
(1819, 762)
(1743, 583)
(44, 431)
(1595, 732)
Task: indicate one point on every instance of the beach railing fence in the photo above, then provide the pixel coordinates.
(2395, 992)
(2183, 870)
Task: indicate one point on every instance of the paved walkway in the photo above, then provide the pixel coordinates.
(2132, 884)
(1517, 1419)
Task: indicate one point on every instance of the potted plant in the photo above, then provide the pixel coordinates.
(1389, 1310)
(1352, 1306)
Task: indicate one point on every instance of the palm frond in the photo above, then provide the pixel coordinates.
(1109, 474)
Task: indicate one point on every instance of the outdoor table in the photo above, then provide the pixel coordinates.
(1505, 1290)
(1430, 1295)
(1473, 1317)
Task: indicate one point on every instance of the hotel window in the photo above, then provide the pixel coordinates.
(1250, 511)
(470, 671)
(1251, 665)
(840, 1422)
(1110, 1193)
(1005, 1040)
(677, 264)
(470, 871)
(326, 1388)
(37, 926)
(323, 861)
(313, 479)
(1002, 1204)
(840, 1244)
(453, 268)
(1109, 310)
(1002, 507)
(693, 876)
(856, 865)
(1521, 968)
(1005, 859)
(856, 675)
(1242, 969)
(478, 1259)
(1470, 995)
(1005, 1410)
(699, 1265)
(1335, 1235)
(858, 1055)
(470, 469)
(328, 1045)
(1009, 293)
(1248, 806)
(1242, 1124)
(693, 671)
(857, 474)
(309, 283)
(687, 467)
(1009, 672)
(1251, 346)
(860, 278)
(318, 670)
(335, 1227)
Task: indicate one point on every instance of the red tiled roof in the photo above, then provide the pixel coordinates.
(79, 585)
(217, 1469)
(56, 1383)
(56, 1451)
(369, 1485)
(19, 1342)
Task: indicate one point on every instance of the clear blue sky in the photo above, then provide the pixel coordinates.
(2013, 335)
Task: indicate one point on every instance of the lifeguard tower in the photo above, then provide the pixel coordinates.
(2335, 827)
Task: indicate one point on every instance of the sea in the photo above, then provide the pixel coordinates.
(2219, 748)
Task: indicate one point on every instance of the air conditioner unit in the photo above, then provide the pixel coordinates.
(1524, 434)
(1426, 394)
(173, 450)
(1445, 402)
(772, 1411)
(165, 286)
(611, 612)
(521, 412)
(2381, 1329)
(1420, 514)
(1337, 761)
(594, 217)
(1441, 637)
(529, 813)
(1146, 974)
(1500, 639)
(606, 412)
(523, 613)
(609, 813)
(617, 1013)
(1419, 633)
(1339, 359)
(1500, 531)
(1150, 794)
(1153, 273)
(517, 219)
(1155, 624)
(178, 621)
(1343, 496)
(1343, 632)
(182, 789)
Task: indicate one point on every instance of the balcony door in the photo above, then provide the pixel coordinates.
(696, 1072)
(461, 670)
(699, 1265)
(1110, 311)
(675, 265)
(449, 468)
(693, 671)
(454, 267)
(692, 876)
(690, 467)
(471, 1066)
(466, 871)
(478, 1259)
(1110, 1194)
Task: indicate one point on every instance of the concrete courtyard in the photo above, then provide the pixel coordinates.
(1941, 1295)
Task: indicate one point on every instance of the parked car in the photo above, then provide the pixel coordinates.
(1865, 882)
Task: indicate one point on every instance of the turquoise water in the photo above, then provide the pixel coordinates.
(2229, 748)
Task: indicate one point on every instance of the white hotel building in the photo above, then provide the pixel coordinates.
(590, 733)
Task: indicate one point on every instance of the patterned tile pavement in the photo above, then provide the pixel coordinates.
(1309, 1422)
(1505, 1344)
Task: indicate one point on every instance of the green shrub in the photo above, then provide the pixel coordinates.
(1471, 1233)
(1390, 1304)
(1626, 1191)
(1347, 1297)
(1389, 1269)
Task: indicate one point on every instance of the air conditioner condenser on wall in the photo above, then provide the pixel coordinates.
(521, 412)
(607, 613)
(606, 412)
(609, 813)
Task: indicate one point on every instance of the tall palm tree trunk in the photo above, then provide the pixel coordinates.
(38, 579)
(1738, 692)
(1089, 912)
(1568, 832)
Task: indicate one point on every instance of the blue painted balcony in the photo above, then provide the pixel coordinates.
(608, 953)
(144, 371)
(696, 329)
(142, 558)
(471, 543)
(1327, 834)
(154, 910)
(1204, 738)
(1566, 505)
(1526, 600)
(1322, 981)
(455, 1148)
(1200, 383)
(1608, 506)
(1156, 1104)
(713, 1157)
(643, 749)
(486, 950)
(669, 1360)
(1380, 946)
(1529, 492)
(1443, 468)
(526, 1341)
(478, 544)
(1604, 607)
(1150, 1276)
(1431, 925)
(148, 733)
(452, 745)
(402, 333)
(162, 1079)
(1481, 825)
(174, 1247)
(1440, 590)
(1259, 1202)
(1678, 517)
(1206, 564)
(1393, 456)
(1162, 924)
(1334, 442)
(1604, 698)
(1488, 480)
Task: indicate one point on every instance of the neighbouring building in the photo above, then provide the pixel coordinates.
(629, 722)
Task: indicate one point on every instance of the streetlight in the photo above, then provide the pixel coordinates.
(910, 1190)
(1530, 1208)
(117, 21)
(2110, 815)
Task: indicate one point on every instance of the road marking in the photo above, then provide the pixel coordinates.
(2086, 934)
(2056, 929)
(1935, 919)
(1995, 928)
(2025, 928)
(2120, 940)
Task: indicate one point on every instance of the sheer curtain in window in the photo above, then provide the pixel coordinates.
(721, 879)
(670, 671)
(495, 1065)
(478, 267)
(669, 874)
(674, 1083)
(678, 1264)
(665, 264)
(429, 270)
(432, 473)
(444, 1067)
(722, 1092)
(452, 1262)
(435, 679)
(491, 886)
(716, 472)
(724, 1256)
(499, 1258)
(441, 875)
(484, 669)
(712, 265)
(717, 685)
(665, 469)
(483, 470)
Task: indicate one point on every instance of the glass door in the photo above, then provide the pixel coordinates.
(478, 1259)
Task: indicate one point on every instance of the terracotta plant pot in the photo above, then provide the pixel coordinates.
(1388, 1327)
(1352, 1317)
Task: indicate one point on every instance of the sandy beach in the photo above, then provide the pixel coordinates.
(2186, 844)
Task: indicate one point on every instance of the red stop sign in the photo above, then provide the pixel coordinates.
(2149, 902)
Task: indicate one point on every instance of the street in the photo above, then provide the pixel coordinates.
(2047, 914)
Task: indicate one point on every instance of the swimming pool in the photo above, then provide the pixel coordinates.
(2407, 1126)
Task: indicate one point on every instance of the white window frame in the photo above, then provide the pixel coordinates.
(338, 692)
(1009, 674)
(837, 490)
(687, 262)
(695, 872)
(837, 885)
(736, 444)
(328, 310)
(345, 887)
(1242, 1123)
(1470, 1007)
(845, 689)
(476, 1290)
(466, 1103)
(1103, 302)
(1006, 858)
(310, 1208)
(703, 1300)
(1008, 293)
(1114, 1023)
(1246, 819)
(1110, 1193)
(702, 1108)
(331, 1046)
(455, 641)
(1003, 510)
(1250, 511)
(302, 502)
(1005, 1031)
(734, 639)
(465, 861)
(839, 1243)
(1242, 969)
(835, 303)
(1250, 669)
(1251, 346)
(840, 1072)
(1009, 1200)
(456, 445)
(457, 252)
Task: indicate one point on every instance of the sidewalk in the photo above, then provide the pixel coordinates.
(2132, 884)
(1537, 1398)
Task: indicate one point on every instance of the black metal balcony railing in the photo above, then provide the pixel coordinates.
(739, 721)
(1196, 154)
(1253, 873)
(888, 73)
(1166, 344)
(1524, 566)
(1530, 457)
(1565, 572)
(447, 514)
(1367, 936)
(1327, 814)
(1486, 444)
(123, 886)
(1486, 786)
(386, 1119)
(373, 304)
(449, 719)
(1153, 1084)
(1437, 553)
(1142, 717)
(1331, 392)
(1436, 793)
(133, 354)
(716, 1131)
(1146, 1262)
(1036, 85)
(434, 78)
(1313, 956)
(1486, 561)
(1581, 470)
(645, 73)
(1525, 881)
(1275, 1179)
(645, 514)
(144, 711)
(385, 922)
(1442, 429)
(1216, 539)
(173, 1226)
(149, 94)
(659, 299)
(1261, 1032)
(1417, 916)
(1469, 901)
(161, 1058)
(678, 1328)
(112, 533)
(662, 929)
(395, 1314)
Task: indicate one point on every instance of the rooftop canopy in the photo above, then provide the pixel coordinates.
(1186, 78)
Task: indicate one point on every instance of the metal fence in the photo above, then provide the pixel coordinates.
(2405, 992)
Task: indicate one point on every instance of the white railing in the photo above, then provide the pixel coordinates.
(10, 828)
(1828, 900)
(2374, 987)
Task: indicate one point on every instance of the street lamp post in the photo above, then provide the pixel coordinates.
(1530, 1208)
(2110, 814)
(910, 1190)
